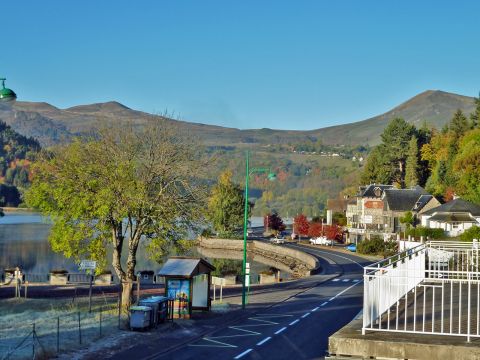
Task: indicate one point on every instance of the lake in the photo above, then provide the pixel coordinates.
(24, 243)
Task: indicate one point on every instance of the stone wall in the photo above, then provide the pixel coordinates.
(297, 262)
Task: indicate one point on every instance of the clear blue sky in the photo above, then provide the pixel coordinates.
(248, 64)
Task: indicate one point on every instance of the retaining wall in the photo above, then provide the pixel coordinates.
(298, 262)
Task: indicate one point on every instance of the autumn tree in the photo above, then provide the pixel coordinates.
(300, 225)
(133, 186)
(315, 229)
(274, 222)
(333, 232)
(226, 205)
(467, 166)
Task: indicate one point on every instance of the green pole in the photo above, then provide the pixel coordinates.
(245, 220)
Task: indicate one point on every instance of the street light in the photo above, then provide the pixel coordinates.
(271, 176)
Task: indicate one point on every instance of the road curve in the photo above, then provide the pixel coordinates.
(296, 328)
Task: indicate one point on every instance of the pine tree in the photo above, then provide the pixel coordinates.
(475, 116)
(411, 170)
(459, 124)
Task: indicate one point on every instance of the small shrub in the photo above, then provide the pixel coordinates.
(371, 247)
(470, 234)
(426, 232)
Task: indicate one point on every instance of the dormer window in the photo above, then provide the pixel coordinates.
(377, 191)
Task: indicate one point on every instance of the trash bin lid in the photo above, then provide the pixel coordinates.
(154, 299)
(140, 308)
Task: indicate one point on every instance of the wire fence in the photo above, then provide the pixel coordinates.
(46, 332)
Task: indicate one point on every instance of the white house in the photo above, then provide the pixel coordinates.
(454, 217)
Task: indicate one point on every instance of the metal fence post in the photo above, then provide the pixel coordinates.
(101, 311)
(58, 334)
(79, 330)
(33, 341)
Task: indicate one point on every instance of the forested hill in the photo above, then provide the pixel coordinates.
(16, 154)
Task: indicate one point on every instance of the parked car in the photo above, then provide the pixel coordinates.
(321, 240)
(277, 240)
(351, 247)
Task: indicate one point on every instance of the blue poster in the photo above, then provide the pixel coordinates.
(179, 290)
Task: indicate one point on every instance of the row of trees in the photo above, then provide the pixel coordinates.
(315, 228)
(445, 162)
(16, 154)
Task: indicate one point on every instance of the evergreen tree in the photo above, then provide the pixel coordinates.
(411, 171)
(475, 116)
(226, 205)
(459, 124)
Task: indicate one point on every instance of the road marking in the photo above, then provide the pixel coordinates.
(332, 298)
(218, 344)
(243, 354)
(315, 309)
(334, 280)
(325, 303)
(356, 280)
(294, 322)
(264, 341)
(279, 331)
(305, 315)
(346, 280)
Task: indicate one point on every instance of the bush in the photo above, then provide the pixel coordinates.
(370, 247)
(377, 246)
(426, 232)
(470, 234)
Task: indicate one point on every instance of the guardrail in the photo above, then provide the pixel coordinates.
(433, 288)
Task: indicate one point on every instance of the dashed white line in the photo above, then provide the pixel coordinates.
(325, 303)
(279, 331)
(264, 341)
(315, 309)
(305, 315)
(334, 280)
(346, 280)
(356, 280)
(294, 322)
(242, 354)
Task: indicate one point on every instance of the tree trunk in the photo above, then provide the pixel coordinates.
(127, 291)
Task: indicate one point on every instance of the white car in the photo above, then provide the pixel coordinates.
(321, 240)
(276, 240)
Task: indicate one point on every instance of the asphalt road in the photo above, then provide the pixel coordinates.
(297, 328)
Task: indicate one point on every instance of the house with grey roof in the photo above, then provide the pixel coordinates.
(377, 209)
(454, 217)
(399, 201)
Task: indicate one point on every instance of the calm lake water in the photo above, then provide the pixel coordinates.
(24, 243)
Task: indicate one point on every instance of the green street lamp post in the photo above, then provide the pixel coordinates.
(6, 95)
(271, 176)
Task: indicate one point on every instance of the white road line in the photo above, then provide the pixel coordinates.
(332, 298)
(294, 322)
(315, 309)
(334, 280)
(325, 303)
(264, 341)
(305, 315)
(242, 354)
(346, 280)
(356, 280)
(279, 331)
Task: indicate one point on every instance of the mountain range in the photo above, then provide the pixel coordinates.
(51, 125)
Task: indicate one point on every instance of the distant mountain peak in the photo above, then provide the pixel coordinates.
(109, 106)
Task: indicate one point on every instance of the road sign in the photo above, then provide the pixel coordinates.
(88, 265)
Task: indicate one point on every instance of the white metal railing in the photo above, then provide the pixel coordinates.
(433, 288)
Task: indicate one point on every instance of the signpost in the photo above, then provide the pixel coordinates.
(89, 266)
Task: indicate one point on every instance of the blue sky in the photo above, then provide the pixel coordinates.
(246, 64)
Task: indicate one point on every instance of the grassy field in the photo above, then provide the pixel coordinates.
(57, 322)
